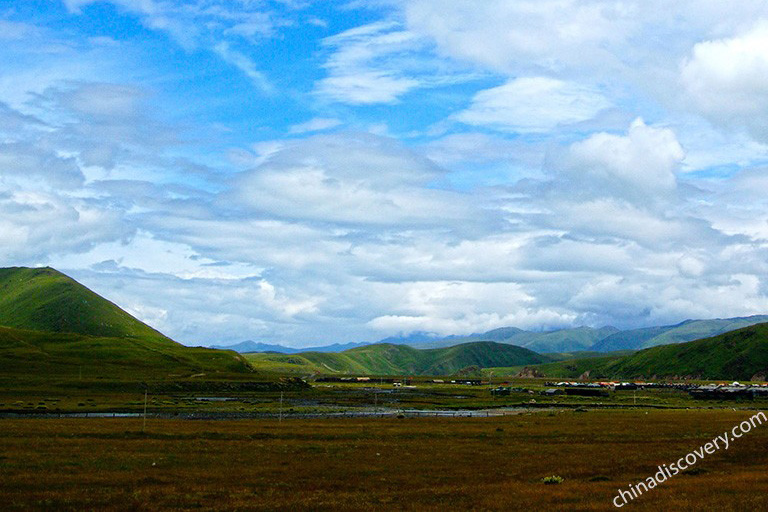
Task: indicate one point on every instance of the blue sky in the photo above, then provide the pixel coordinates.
(307, 172)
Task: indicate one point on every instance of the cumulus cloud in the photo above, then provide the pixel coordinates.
(727, 80)
(99, 100)
(639, 166)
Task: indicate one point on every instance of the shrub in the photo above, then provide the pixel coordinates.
(552, 480)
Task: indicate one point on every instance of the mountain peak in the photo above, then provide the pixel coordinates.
(44, 299)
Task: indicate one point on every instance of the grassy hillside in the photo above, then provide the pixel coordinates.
(52, 326)
(586, 354)
(735, 355)
(739, 355)
(689, 330)
(580, 338)
(44, 299)
(35, 355)
(388, 359)
(596, 363)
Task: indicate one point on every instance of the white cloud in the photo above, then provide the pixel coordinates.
(218, 26)
(533, 104)
(315, 124)
(379, 63)
(639, 166)
(351, 179)
(25, 163)
(244, 64)
(463, 307)
(504, 35)
(360, 68)
(522, 36)
(727, 80)
(359, 87)
(10, 30)
(38, 226)
(104, 100)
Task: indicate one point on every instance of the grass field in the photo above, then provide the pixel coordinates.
(381, 464)
(270, 395)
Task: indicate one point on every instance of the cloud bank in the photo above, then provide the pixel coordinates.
(286, 173)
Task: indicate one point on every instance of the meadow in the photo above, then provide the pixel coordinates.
(293, 397)
(380, 464)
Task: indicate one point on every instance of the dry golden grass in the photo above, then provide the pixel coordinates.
(379, 464)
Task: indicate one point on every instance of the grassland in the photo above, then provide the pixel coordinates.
(380, 464)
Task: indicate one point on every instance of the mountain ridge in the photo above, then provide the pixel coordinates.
(603, 339)
(398, 359)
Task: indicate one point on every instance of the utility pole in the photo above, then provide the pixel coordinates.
(146, 392)
(490, 384)
(280, 417)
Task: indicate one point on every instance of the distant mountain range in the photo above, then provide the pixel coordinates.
(563, 340)
(391, 359)
(252, 346)
(53, 327)
(604, 339)
(736, 355)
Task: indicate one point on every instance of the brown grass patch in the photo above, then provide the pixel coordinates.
(379, 464)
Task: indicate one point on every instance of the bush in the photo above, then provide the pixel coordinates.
(552, 480)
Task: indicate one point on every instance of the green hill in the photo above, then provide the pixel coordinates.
(44, 299)
(389, 359)
(52, 326)
(38, 355)
(736, 355)
(689, 330)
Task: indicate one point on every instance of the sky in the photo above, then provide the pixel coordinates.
(309, 172)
